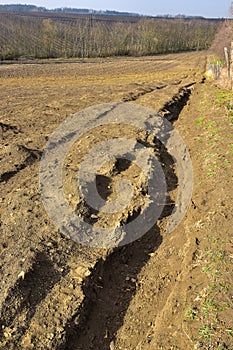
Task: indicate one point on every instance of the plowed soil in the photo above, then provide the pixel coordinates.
(164, 291)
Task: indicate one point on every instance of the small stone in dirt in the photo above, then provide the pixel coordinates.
(21, 275)
(112, 346)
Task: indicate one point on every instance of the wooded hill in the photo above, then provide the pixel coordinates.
(55, 35)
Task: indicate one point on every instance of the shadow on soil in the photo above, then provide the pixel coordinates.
(109, 291)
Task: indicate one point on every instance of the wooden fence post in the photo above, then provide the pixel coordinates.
(231, 63)
(228, 62)
(232, 52)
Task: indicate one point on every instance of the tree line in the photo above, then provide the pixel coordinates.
(89, 37)
(33, 8)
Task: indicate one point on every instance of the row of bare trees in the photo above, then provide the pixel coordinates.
(83, 37)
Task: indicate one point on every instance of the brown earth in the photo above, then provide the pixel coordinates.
(164, 291)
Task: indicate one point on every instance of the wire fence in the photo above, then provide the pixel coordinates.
(215, 68)
(223, 69)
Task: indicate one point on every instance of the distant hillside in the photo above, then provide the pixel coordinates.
(33, 8)
(222, 39)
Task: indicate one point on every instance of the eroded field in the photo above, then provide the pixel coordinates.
(160, 292)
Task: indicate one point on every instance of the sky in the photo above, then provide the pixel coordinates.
(206, 8)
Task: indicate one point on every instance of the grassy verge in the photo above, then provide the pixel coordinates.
(208, 316)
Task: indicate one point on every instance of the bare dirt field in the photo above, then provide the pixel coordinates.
(163, 291)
